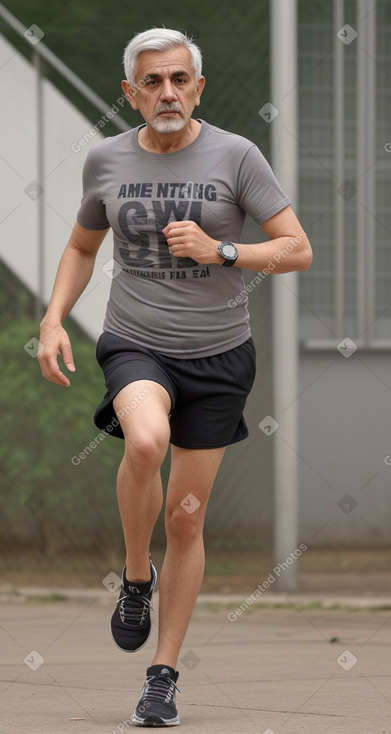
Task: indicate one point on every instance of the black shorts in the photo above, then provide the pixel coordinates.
(208, 394)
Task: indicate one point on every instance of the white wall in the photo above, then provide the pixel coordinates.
(64, 125)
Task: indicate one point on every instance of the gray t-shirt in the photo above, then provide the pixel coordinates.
(175, 305)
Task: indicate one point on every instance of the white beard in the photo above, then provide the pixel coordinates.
(168, 126)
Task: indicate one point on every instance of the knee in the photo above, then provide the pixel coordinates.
(145, 451)
(183, 528)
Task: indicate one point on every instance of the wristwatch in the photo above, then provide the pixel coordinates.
(229, 252)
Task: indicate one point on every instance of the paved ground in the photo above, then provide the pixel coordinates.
(270, 671)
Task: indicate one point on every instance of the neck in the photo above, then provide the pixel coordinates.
(155, 142)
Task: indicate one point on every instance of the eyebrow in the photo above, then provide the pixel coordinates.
(154, 75)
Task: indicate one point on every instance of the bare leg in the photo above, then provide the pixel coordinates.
(139, 488)
(192, 473)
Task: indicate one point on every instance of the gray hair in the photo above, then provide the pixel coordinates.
(159, 39)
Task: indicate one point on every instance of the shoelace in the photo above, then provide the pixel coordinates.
(156, 688)
(133, 609)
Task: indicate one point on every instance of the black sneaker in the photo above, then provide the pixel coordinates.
(131, 619)
(157, 705)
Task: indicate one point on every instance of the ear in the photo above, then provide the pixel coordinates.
(199, 89)
(130, 93)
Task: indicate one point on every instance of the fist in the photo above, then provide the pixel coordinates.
(187, 239)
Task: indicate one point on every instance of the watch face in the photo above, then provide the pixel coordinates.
(229, 250)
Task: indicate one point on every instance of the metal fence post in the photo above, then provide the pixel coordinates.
(40, 190)
(339, 169)
(365, 169)
(285, 303)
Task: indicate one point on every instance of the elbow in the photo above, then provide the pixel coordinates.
(306, 258)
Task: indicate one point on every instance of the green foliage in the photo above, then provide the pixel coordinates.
(45, 425)
(46, 501)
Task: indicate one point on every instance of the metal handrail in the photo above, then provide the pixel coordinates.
(59, 66)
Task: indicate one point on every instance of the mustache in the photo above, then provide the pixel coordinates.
(173, 107)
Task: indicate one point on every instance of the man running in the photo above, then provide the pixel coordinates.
(176, 349)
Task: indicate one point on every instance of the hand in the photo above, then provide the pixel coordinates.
(55, 341)
(187, 239)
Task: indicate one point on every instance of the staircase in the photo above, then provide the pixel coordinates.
(44, 143)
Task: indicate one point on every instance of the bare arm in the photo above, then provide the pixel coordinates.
(288, 248)
(73, 274)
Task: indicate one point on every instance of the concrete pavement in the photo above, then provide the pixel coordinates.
(268, 671)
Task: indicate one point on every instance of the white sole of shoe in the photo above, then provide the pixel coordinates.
(141, 722)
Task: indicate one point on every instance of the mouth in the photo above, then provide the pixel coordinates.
(168, 112)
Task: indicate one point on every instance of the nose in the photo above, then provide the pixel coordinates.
(168, 93)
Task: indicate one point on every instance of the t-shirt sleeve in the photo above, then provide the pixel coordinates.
(259, 193)
(92, 212)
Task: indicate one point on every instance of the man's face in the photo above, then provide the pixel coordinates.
(165, 90)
